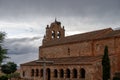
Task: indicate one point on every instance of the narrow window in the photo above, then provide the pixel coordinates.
(68, 51)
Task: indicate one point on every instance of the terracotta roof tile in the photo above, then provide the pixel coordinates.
(65, 60)
(115, 33)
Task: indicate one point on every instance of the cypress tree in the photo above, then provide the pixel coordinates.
(106, 64)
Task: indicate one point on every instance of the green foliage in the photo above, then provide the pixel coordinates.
(106, 64)
(2, 36)
(3, 78)
(3, 52)
(9, 68)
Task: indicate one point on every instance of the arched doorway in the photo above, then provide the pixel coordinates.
(55, 73)
(61, 73)
(82, 73)
(37, 72)
(68, 73)
(41, 73)
(48, 74)
(32, 72)
(74, 73)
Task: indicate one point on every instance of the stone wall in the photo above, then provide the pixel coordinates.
(99, 46)
(67, 50)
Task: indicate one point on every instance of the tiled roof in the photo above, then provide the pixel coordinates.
(79, 37)
(115, 33)
(66, 60)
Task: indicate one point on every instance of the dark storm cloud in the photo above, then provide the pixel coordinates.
(20, 46)
(24, 9)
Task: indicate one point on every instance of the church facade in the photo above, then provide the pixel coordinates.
(76, 57)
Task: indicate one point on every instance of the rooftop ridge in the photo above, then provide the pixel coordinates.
(90, 32)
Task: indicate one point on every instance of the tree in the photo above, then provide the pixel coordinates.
(106, 64)
(9, 68)
(3, 52)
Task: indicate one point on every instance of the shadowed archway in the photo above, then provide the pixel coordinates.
(48, 74)
(74, 73)
(82, 73)
(68, 73)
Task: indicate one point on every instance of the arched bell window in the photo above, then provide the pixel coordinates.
(53, 34)
(58, 34)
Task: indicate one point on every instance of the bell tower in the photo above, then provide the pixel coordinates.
(54, 31)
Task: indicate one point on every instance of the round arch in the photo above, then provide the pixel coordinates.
(75, 73)
(37, 72)
(48, 74)
(82, 73)
(41, 73)
(68, 73)
(55, 73)
(61, 73)
(32, 72)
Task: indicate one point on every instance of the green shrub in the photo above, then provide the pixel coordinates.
(3, 78)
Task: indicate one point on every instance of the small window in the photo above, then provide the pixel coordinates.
(68, 51)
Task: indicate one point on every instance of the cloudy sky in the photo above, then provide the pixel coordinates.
(24, 21)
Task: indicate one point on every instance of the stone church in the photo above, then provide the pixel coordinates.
(76, 57)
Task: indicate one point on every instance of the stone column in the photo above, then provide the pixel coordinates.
(78, 74)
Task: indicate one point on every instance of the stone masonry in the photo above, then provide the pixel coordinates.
(76, 57)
